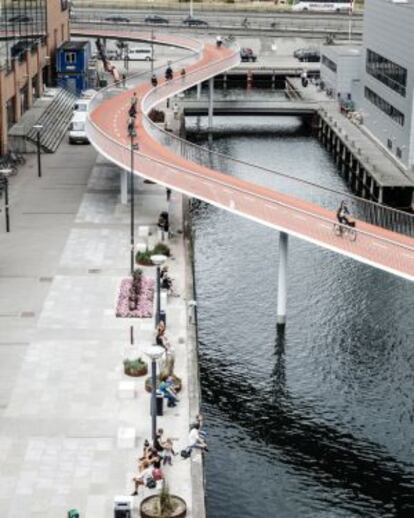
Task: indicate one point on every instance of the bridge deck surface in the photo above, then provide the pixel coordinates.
(375, 246)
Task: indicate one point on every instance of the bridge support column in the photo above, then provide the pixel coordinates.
(282, 284)
(210, 102)
(124, 187)
(199, 91)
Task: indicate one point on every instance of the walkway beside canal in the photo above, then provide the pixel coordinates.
(374, 158)
(64, 422)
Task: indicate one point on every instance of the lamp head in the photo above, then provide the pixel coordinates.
(153, 351)
(158, 259)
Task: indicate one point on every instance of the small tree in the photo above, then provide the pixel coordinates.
(166, 506)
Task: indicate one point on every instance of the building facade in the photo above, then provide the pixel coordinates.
(31, 32)
(340, 68)
(387, 80)
(72, 66)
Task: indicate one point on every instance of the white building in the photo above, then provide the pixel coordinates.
(340, 68)
(387, 78)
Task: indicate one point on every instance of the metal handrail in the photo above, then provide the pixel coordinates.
(371, 211)
(149, 165)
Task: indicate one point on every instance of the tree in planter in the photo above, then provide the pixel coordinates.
(163, 505)
(166, 504)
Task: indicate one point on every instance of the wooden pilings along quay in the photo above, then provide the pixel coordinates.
(355, 168)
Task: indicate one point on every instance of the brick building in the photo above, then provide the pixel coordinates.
(30, 33)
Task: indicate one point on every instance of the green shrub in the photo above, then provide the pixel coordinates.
(144, 258)
(161, 248)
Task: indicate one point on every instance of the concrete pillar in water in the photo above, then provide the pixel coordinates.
(210, 102)
(124, 187)
(198, 91)
(282, 284)
(381, 195)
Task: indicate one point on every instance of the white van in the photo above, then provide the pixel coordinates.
(77, 132)
(140, 54)
(81, 105)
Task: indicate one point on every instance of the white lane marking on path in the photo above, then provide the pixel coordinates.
(299, 216)
(410, 256)
(379, 245)
(325, 225)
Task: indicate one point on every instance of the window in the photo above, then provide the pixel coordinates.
(386, 71)
(389, 143)
(384, 106)
(70, 58)
(329, 63)
(398, 152)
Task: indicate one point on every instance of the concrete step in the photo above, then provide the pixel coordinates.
(55, 121)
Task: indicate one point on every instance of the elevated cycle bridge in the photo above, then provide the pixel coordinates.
(385, 237)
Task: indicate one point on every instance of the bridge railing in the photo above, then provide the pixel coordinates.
(360, 208)
(393, 255)
(370, 212)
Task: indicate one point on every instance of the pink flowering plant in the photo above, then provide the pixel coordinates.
(135, 298)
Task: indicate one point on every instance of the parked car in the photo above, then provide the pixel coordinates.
(21, 19)
(117, 18)
(190, 21)
(247, 54)
(310, 54)
(77, 132)
(81, 105)
(154, 18)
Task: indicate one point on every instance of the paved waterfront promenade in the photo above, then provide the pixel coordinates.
(61, 347)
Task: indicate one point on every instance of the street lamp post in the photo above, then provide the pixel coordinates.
(158, 260)
(152, 51)
(132, 134)
(154, 352)
(4, 174)
(38, 128)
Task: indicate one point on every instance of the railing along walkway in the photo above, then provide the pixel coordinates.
(185, 167)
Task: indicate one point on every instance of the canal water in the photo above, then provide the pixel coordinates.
(316, 421)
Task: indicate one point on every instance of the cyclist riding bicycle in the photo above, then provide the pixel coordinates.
(168, 73)
(342, 213)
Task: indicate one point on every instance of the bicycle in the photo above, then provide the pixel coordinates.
(6, 163)
(345, 231)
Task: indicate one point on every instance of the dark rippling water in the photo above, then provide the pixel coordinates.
(318, 421)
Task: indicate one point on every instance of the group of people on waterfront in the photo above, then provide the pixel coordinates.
(156, 458)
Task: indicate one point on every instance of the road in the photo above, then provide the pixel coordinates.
(274, 22)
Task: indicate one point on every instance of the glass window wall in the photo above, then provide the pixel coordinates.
(384, 106)
(23, 25)
(389, 73)
(329, 63)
